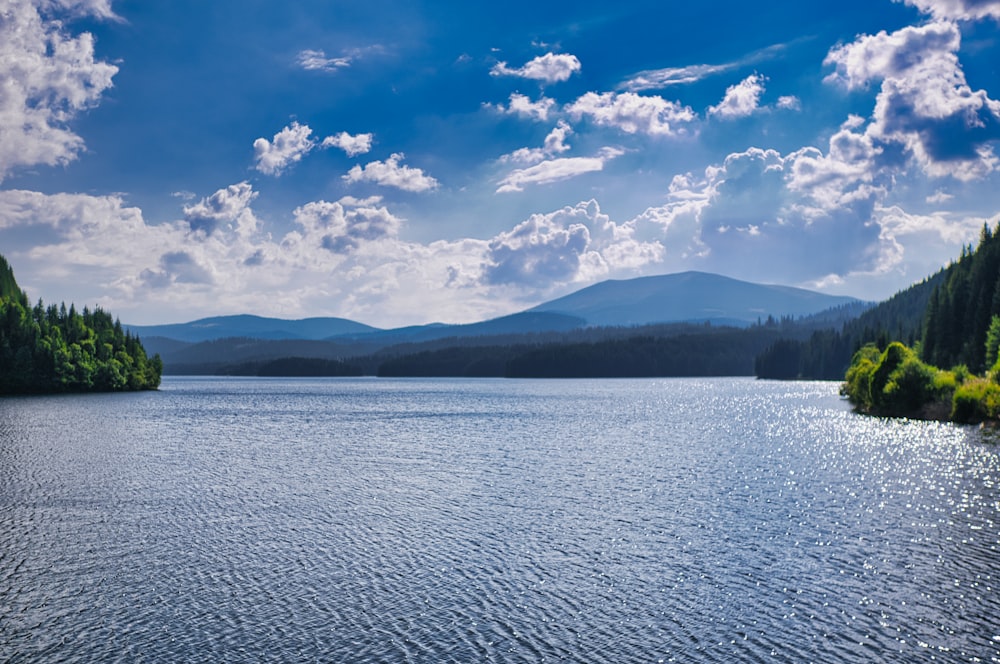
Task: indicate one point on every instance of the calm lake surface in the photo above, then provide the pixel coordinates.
(374, 520)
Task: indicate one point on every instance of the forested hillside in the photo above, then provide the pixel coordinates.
(961, 307)
(960, 330)
(827, 353)
(52, 349)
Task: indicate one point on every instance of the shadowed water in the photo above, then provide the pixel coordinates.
(513, 521)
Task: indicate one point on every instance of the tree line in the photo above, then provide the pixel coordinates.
(960, 329)
(46, 349)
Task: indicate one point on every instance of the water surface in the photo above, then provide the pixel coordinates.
(512, 521)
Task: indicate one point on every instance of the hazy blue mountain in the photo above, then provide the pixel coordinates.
(521, 323)
(685, 297)
(253, 327)
(688, 296)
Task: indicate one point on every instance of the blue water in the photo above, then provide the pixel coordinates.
(373, 520)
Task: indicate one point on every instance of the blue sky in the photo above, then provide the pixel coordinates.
(407, 162)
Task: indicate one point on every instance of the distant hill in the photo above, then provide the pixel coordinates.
(688, 296)
(664, 306)
(673, 298)
(253, 327)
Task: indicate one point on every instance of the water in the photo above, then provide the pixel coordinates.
(374, 520)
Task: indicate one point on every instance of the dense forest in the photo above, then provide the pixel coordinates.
(960, 329)
(826, 354)
(649, 351)
(52, 349)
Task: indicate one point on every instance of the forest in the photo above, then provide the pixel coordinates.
(50, 349)
(960, 329)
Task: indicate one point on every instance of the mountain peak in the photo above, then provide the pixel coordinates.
(688, 297)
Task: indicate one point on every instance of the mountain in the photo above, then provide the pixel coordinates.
(685, 297)
(253, 327)
(688, 296)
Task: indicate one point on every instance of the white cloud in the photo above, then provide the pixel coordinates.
(48, 77)
(924, 103)
(522, 106)
(939, 197)
(741, 99)
(548, 68)
(227, 209)
(572, 244)
(958, 10)
(391, 173)
(344, 258)
(789, 103)
(352, 145)
(288, 147)
(555, 143)
(657, 79)
(555, 170)
(757, 214)
(99, 8)
(845, 174)
(633, 113)
(344, 225)
(316, 60)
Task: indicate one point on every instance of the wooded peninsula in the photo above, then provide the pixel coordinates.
(54, 349)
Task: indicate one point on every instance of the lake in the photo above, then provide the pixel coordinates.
(376, 520)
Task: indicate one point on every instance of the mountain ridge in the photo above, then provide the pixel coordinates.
(673, 298)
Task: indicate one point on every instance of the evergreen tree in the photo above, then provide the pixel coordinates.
(58, 350)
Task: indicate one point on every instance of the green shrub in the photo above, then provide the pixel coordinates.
(857, 385)
(910, 386)
(976, 400)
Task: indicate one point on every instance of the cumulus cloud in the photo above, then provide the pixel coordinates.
(924, 104)
(958, 10)
(555, 170)
(288, 147)
(632, 113)
(343, 225)
(759, 205)
(392, 173)
(48, 77)
(548, 68)
(741, 99)
(352, 145)
(848, 172)
(572, 244)
(522, 106)
(227, 209)
(555, 143)
(316, 60)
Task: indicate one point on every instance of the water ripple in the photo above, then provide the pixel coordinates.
(510, 521)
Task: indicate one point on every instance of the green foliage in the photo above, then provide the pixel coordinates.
(910, 387)
(828, 353)
(50, 349)
(992, 340)
(858, 383)
(960, 325)
(895, 381)
(976, 400)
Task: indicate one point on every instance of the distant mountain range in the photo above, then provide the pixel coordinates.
(684, 297)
